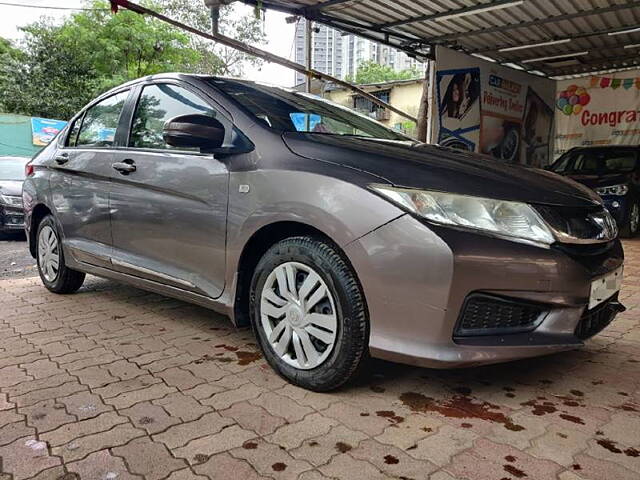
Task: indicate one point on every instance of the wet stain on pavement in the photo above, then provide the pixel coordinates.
(200, 458)
(245, 358)
(459, 406)
(279, 467)
(613, 448)
(208, 358)
(516, 472)
(228, 348)
(343, 447)
(391, 460)
(249, 445)
(609, 445)
(540, 409)
(628, 407)
(146, 420)
(390, 415)
(572, 418)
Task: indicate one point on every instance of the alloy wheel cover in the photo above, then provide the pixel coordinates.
(298, 315)
(48, 253)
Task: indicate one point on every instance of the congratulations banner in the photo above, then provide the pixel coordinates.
(598, 110)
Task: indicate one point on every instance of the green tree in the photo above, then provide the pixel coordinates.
(61, 67)
(48, 78)
(7, 48)
(372, 72)
(217, 59)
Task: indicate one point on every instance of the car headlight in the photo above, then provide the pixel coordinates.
(11, 200)
(514, 221)
(618, 190)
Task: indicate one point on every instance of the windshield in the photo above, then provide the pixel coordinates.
(597, 162)
(291, 111)
(12, 168)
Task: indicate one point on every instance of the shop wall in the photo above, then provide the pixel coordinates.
(598, 110)
(24, 136)
(15, 136)
(484, 107)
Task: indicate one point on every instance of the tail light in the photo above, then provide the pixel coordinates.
(28, 169)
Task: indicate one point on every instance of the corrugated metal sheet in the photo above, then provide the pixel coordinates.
(415, 25)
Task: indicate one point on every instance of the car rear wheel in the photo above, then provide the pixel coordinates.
(630, 228)
(55, 275)
(309, 313)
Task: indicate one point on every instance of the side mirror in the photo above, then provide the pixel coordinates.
(194, 131)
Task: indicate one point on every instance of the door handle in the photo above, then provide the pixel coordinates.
(62, 158)
(125, 167)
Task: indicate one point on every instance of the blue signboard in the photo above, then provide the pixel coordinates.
(305, 122)
(44, 129)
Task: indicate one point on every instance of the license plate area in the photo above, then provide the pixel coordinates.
(605, 287)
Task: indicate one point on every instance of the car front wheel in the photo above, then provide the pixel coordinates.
(55, 275)
(309, 313)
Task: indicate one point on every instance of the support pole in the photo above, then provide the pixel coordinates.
(423, 109)
(215, 19)
(243, 47)
(308, 48)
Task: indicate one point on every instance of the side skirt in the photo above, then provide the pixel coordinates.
(152, 286)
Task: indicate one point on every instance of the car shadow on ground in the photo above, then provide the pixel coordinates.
(567, 384)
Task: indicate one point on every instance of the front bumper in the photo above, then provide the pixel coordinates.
(416, 279)
(11, 218)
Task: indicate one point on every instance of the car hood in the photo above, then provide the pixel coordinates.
(11, 187)
(418, 165)
(595, 181)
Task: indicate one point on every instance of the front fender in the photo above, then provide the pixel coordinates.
(342, 210)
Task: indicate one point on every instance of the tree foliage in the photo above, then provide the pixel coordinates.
(218, 59)
(58, 68)
(372, 72)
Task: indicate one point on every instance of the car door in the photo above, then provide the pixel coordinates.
(168, 205)
(81, 177)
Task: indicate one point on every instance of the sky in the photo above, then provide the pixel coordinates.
(279, 33)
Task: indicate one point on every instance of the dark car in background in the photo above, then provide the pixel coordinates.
(614, 173)
(11, 177)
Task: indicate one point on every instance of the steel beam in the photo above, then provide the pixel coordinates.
(257, 52)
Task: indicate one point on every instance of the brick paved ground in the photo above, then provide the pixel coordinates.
(115, 383)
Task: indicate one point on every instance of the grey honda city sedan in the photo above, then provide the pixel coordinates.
(333, 236)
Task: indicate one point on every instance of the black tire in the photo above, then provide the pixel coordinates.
(350, 350)
(628, 230)
(66, 279)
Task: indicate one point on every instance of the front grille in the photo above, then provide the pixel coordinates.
(490, 315)
(595, 320)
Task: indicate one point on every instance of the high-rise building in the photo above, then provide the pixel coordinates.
(338, 54)
(327, 50)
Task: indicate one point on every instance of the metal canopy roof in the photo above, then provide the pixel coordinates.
(583, 35)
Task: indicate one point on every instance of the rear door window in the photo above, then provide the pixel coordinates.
(101, 122)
